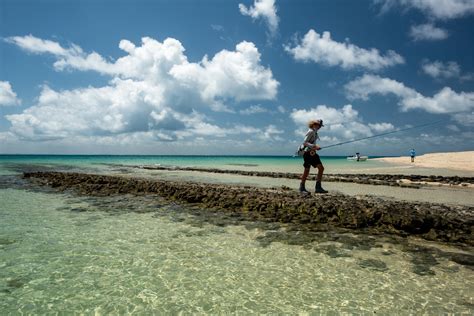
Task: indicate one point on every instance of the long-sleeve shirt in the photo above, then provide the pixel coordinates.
(310, 139)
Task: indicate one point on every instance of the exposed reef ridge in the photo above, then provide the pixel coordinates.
(411, 181)
(427, 220)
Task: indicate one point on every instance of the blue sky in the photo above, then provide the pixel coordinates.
(235, 77)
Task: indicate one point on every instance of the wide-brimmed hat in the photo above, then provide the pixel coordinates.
(313, 122)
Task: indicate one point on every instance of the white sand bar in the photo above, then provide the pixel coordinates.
(463, 160)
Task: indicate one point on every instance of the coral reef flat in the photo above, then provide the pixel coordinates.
(431, 221)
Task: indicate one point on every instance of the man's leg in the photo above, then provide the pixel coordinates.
(303, 179)
(319, 177)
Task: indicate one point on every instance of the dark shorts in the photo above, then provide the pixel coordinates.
(311, 160)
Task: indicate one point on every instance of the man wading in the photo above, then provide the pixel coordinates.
(311, 158)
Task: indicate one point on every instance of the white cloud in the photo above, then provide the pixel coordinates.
(229, 74)
(427, 32)
(444, 101)
(271, 133)
(339, 124)
(118, 108)
(7, 96)
(253, 109)
(323, 50)
(153, 88)
(466, 119)
(453, 128)
(281, 109)
(263, 9)
(7, 136)
(438, 9)
(72, 57)
(381, 127)
(237, 74)
(440, 70)
(362, 87)
(39, 46)
(126, 111)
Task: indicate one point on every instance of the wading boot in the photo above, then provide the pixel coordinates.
(303, 189)
(319, 188)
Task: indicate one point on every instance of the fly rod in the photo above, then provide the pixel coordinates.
(378, 135)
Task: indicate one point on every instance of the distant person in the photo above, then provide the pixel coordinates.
(311, 158)
(358, 156)
(412, 155)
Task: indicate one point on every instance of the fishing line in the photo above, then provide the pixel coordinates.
(378, 135)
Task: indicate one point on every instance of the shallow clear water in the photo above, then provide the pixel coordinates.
(60, 253)
(128, 254)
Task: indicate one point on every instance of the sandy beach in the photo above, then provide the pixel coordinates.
(453, 160)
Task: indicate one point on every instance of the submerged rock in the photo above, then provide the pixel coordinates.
(428, 220)
(373, 264)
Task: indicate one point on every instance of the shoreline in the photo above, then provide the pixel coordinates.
(462, 161)
(431, 221)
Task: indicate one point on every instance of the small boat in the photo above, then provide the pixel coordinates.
(357, 157)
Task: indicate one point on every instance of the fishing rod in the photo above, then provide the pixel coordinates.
(378, 135)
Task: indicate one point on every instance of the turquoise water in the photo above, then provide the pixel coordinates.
(333, 164)
(185, 161)
(106, 163)
(60, 253)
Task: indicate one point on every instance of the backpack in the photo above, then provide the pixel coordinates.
(300, 151)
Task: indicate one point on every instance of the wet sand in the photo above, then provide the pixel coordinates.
(389, 185)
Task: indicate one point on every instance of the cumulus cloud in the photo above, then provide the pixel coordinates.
(436, 9)
(427, 32)
(324, 50)
(165, 64)
(237, 74)
(7, 96)
(264, 9)
(444, 101)
(118, 111)
(152, 88)
(363, 87)
(118, 108)
(339, 124)
(440, 70)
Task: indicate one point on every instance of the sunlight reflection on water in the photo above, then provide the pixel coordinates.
(124, 254)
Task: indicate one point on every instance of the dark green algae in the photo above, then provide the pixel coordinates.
(427, 220)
